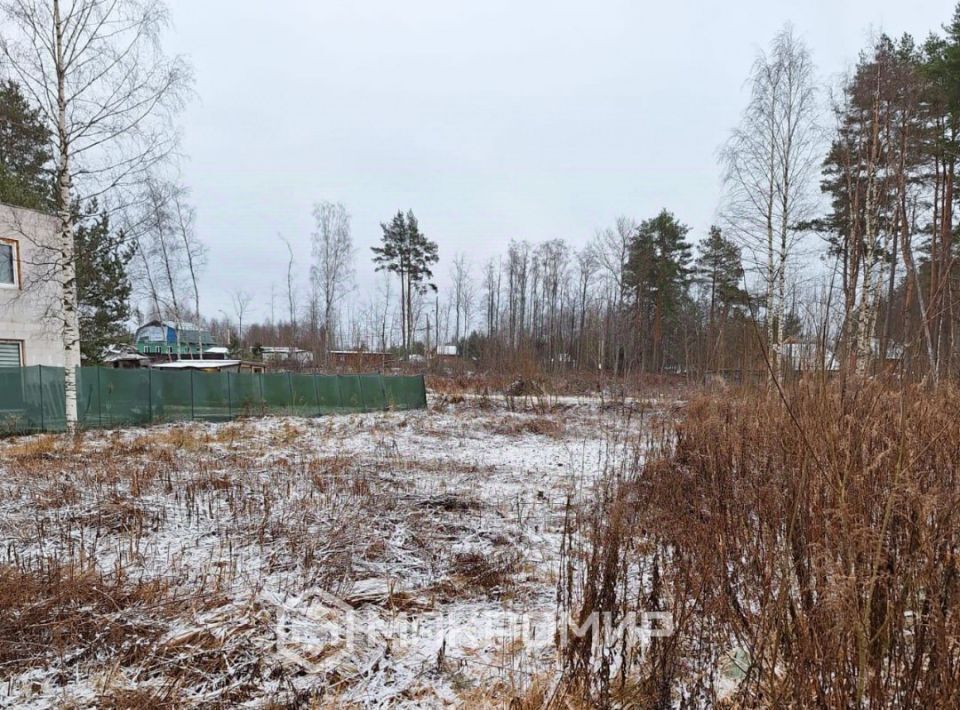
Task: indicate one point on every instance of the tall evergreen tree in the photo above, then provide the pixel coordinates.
(103, 285)
(658, 275)
(407, 252)
(719, 269)
(25, 177)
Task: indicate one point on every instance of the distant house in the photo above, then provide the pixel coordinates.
(806, 355)
(360, 359)
(273, 353)
(124, 357)
(217, 352)
(211, 366)
(892, 358)
(165, 340)
(448, 356)
(30, 299)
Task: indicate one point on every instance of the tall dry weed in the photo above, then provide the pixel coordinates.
(806, 549)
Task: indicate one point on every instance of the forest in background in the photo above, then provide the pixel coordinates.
(834, 248)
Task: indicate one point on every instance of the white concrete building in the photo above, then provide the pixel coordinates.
(277, 353)
(30, 329)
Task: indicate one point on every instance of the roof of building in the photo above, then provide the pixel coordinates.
(184, 325)
(187, 332)
(124, 357)
(197, 364)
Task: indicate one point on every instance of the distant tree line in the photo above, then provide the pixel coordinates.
(835, 246)
(835, 234)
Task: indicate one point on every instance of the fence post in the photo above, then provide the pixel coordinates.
(316, 392)
(149, 395)
(363, 402)
(99, 397)
(192, 406)
(290, 385)
(229, 397)
(263, 402)
(383, 392)
(43, 424)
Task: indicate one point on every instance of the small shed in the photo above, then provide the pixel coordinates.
(126, 361)
(211, 365)
(360, 359)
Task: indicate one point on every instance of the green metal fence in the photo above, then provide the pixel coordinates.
(32, 398)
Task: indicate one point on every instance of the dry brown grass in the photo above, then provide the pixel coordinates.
(287, 433)
(40, 447)
(539, 692)
(233, 433)
(184, 436)
(536, 425)
(817, 537)
(492, 574)
(51, 611)
(151, 567)
(525, 379)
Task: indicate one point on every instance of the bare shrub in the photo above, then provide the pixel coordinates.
(808, 543)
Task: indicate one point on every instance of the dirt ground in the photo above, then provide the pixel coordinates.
(390, 559)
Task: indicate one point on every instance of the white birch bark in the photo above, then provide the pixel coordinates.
(95, 72)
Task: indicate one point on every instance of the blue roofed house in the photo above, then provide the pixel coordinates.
(166, 340)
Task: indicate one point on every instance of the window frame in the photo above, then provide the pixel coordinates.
(20, 348)
(15, 260)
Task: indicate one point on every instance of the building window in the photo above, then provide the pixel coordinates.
(9, 259)
(11, 353)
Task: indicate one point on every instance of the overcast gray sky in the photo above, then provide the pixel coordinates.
(492, 120)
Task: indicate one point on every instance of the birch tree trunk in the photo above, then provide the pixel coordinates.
(769, 166)
(104, 91)
(68, 269)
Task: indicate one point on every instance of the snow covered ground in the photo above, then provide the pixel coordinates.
(403, 559)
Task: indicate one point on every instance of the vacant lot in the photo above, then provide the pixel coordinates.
(398, 558)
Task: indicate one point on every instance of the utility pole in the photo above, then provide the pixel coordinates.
(428, 337)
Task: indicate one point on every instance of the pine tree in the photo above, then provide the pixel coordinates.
(658, 274)
(103, 285)
(719, 269)
(25, 177)
(407, 252)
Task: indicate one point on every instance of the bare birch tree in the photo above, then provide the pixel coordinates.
(96, 72)
(291, 291)
(332, 266)
(194, 251)
(241, 303)
(168, 252)
(586, 260)
(611, 249)
(463, 295)
(770, 164)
